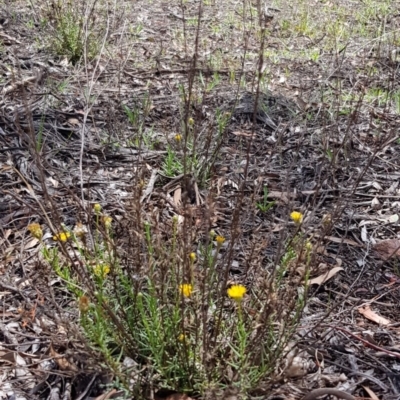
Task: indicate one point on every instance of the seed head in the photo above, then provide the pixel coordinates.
(35, 230)
(84, 304)
(107, 220)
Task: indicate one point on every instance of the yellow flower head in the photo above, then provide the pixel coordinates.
(182, 337)
(191, 121)
(62, 236)
(308, 246)
(107, 220)
(236, 292)
(178, 137)
(192, 257)
(220, 240)
(35, 230)
(186, 289)
(97, 208)
(101, 270)
(297, 217)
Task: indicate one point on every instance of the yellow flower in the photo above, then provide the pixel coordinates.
(297, 217)
(220, 240)
(107, 220)
(62, 236)
(181, 337)
(308, 246)
(178, 137)
(191, 121)
(186, 289)
(236, 292)
(97, 208)
(192, 257)
(35, 230)
(101, 270)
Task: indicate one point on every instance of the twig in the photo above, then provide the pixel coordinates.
(366, 342)
(323, 391)
(150, 185)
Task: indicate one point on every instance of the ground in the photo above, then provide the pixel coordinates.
(323, 141)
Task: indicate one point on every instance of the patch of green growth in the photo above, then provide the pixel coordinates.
(192, 21)
(137, 117)
(371, 18)
(265, 205)
(210, 85)
(378, 96)
(284, 264)
(172, 165)
(30, 24)
(272, 56)
(136, 30)
(285, 25)
(75, 29)
(304, 24)
(39, 138)
(396, 101)
(329, 154)
(312, 54)
(62, 86)
(172, 312)
(133, 115)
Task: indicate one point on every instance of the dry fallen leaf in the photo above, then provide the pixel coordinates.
(107, 396)
(284, 196)
(242, 133)
(364, 234)
(388, 248)
(375, 203)
(297, 369)
(373, 316)
(31, 243)
(62, 362)
(54, 182)
(319, 280)
(73, 121)
(341, 240)
(371, 394)
(178, 197)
